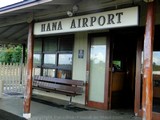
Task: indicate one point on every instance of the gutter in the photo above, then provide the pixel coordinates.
(22, 5)
(15, 5)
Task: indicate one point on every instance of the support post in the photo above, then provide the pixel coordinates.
(147, 93)
(28, 85)
(23, 53)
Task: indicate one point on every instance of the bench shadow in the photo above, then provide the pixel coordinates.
(68, 107)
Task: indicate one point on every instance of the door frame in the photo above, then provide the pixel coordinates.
(88, 103)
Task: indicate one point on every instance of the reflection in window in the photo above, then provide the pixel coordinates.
(50, 44)
(65, 59)
(117, 65)
(66, 74)
(156, 63)
(37, 59)
(98, 53)
(49, 59)
(49, 72)
(53, 56)
(36, 71)
(37, 45)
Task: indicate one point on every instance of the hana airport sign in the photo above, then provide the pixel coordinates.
(103, 20)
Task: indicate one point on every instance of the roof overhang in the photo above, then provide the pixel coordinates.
(14, 20)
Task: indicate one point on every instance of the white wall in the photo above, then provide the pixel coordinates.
(79, 65)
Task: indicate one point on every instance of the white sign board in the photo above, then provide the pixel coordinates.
(97, 21)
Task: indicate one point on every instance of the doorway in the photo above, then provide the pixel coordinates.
(122, 81)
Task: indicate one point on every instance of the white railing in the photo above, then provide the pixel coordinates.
(13, 77)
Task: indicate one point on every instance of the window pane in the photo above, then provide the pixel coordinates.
(65, 59)
(97, 69)
(37, 59)
(38, 45)
(156, 62)
(66, 74)
(49, 72)
(49, 58)
(66, 43)
(50, 44)
(37, 71)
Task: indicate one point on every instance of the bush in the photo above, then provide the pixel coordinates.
(11, 55)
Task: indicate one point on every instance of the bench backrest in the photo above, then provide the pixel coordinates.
(58, 80)
(56, 84)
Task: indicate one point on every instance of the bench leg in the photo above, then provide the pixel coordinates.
(70, 101)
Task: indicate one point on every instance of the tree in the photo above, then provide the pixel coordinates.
(11, 54)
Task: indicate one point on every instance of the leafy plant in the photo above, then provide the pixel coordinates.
(11, 54)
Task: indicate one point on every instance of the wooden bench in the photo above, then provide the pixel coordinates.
(66, 87)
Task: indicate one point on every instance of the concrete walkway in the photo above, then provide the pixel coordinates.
(45, 112)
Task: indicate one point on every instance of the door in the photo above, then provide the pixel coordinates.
(122, 80)
(97, 70)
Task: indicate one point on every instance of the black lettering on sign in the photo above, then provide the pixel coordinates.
(111, 19)
(48, 27)
(85, 21)
(93, 20)
(43, 27)
(79, 22)
(60, 25)
(73, 25)
(54, 26)
(101, 20)
(119, 17)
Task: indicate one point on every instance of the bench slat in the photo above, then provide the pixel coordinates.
(56, 85)
(57, 80)
(59, 87)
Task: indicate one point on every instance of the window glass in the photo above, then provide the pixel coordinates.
(37, 71)
(65, 59)
(66, 74)
(117, 66)
(156, 62)
(66, 44)
(38, 45)
(49, 72)
(53, 56)
(50, 44)
(37, 59)
(49, 59)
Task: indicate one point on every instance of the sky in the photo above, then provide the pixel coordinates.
(4, 3)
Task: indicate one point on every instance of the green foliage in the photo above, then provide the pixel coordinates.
(11, 54)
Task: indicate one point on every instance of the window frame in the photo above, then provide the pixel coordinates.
(55, 66)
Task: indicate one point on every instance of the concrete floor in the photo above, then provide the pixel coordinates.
(39, 111)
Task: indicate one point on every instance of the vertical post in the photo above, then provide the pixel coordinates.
(22, 61)
(23, 53)
(148, 53)
(28, 85)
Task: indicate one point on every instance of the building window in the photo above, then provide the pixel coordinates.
(53, 56)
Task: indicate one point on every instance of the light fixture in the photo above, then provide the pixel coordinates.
(71, 12)
(75, 8)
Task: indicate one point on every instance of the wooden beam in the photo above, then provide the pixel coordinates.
(147, 97)
(28, 86)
